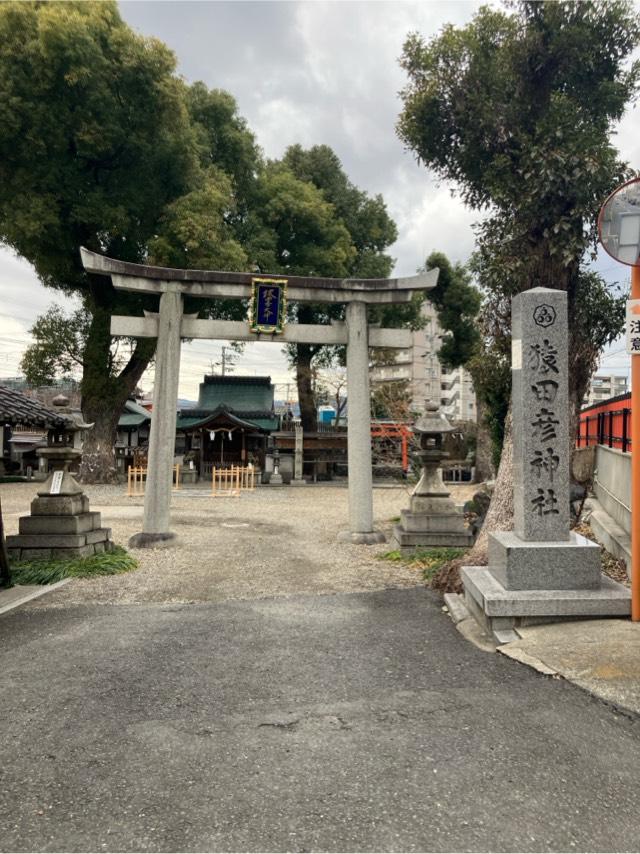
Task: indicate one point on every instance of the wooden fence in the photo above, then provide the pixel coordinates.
(233, 480)
(137, 480)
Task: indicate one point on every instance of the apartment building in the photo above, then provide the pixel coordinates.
(604, 386)
(420, 366)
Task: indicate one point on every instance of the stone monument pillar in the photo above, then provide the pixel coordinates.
(541, 570)
(298, 480)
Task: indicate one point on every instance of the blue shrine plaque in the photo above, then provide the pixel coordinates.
(268, 305)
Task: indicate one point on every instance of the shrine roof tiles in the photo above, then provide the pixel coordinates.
(18, 408)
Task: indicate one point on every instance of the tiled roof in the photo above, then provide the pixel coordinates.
(190, 419)
(241, 394)
(17, 408)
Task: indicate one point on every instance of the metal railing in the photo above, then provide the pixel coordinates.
(288, 426)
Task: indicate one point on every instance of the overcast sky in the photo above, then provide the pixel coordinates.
(309, 73)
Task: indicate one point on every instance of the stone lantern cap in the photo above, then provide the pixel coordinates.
(432, 422)
(75, 421)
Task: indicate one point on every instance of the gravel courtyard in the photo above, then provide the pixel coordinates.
(271, 542)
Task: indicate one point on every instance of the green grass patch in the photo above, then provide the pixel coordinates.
(427, 560)
(50, 571)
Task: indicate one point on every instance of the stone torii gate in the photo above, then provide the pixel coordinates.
(171, 325)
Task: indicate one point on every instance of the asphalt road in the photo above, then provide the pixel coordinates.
(351, 722)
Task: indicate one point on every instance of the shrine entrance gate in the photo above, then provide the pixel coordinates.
(171, 325)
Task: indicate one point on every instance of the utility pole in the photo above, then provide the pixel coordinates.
(226, 361)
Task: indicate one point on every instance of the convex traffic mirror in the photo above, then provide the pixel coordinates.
(619, 224)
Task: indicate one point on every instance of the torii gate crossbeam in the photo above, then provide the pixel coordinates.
(170, 325)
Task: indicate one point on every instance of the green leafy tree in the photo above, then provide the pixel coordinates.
(296, 231)
(58, 348)
(103, 145)
(94, 142)
(366, 232)
(457, 303)
(517, 108)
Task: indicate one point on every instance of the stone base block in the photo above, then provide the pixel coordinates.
(518, 564)
(501, 610)
(60, 505)
(299, 482)
(152, 541)
(60, 553)
(422, 522)
(58, 541)
(72, 524)
(359, 538)
(100, 535)
(409, 541)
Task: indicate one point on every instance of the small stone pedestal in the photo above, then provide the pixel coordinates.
(540, 572)
(61, 524)
(432, 520)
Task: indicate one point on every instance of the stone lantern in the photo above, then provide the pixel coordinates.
(61, 524)
(432, 519)
(64, 454)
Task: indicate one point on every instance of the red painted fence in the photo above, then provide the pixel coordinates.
(606, 423)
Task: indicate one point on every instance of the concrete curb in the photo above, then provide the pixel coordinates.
(524, 658)
(32, 594)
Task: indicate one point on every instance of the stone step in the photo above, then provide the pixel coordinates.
(76, 524)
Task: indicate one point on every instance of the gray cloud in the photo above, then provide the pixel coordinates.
(307, 72)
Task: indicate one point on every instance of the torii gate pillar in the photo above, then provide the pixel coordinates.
(162, 438)
(359, 430)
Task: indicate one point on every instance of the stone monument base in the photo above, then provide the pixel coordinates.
(517, 564)
(361, 539)
(407, 537)
(60, 526)
(502, 611)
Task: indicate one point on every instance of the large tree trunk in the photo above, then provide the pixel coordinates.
(306, 398)
(484, 445)
(104, 396)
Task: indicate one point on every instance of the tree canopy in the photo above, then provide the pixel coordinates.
(312, 220)
(517, 109)
(103, 145)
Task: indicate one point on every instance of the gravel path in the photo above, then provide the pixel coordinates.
(272, 542)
